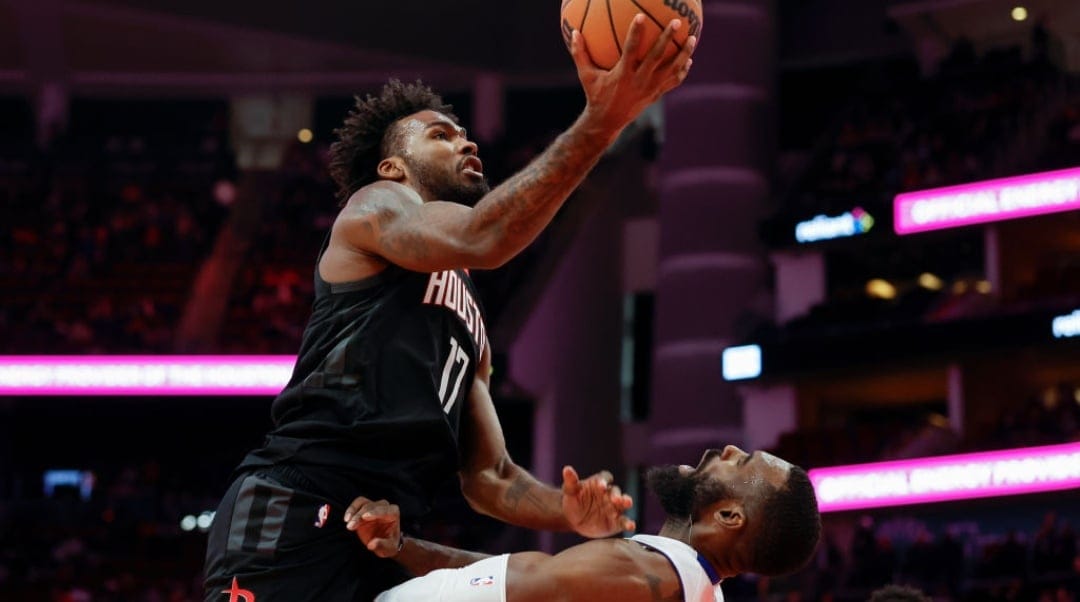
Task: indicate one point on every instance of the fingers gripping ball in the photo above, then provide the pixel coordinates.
(603, 24)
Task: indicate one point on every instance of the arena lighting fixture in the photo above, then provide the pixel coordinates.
(226, 375)
(1019, 13)
(930, 282)
(83, 480)
(741, 363)
(947, 478)
(880, 289)
(988, 201)
(1067, 326)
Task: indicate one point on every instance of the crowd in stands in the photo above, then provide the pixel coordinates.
(1063, 145)
(271, 297)
(969, 559)
(124, 544)
(976, 118)
(911, 133)
(105, 232)
(138, 536)
(1048, 418)
(1053, 416)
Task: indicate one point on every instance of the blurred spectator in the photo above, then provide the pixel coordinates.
(898, 593)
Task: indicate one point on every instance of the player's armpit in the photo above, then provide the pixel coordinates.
(391, 221)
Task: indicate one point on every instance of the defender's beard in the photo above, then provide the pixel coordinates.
(684, 495)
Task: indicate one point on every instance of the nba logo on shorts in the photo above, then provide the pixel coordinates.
(482, 581)
(324, 513)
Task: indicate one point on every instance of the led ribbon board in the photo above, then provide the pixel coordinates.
(989, 201)
(946, 478)
(55, 375)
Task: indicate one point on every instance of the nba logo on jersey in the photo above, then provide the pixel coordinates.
(490, 580)
(324, 513)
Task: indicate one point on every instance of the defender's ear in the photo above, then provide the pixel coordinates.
(730, 514)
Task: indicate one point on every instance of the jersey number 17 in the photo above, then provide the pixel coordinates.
(457, 363)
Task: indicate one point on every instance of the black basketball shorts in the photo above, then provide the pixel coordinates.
(272, 540)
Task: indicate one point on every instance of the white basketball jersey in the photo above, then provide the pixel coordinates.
(696, 584)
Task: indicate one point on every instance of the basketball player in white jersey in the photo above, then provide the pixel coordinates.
(734, 513)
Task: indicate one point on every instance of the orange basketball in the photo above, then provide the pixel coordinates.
(604, 24)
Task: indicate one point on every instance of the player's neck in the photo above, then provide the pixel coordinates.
(676, 528)
(679, 529)
(425, 194)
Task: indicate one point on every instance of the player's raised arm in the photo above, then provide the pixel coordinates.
(402, 218)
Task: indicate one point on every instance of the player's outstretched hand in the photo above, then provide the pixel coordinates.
(377, 524)
(593, 506)
(641, 76)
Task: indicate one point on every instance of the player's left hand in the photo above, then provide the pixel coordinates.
(377, 524)
(593, 506)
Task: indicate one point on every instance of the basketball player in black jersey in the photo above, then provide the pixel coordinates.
(389, 396)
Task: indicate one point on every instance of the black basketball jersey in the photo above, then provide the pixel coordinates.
(384, 371)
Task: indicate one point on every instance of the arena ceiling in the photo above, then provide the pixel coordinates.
(495, 34)
(207, 44)
(215, 46)
(987, 22)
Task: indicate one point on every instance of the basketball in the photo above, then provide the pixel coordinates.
(604, 23)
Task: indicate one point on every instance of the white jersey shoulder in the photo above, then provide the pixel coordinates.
(696, 585)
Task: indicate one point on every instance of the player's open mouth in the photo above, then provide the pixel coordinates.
(473, 166)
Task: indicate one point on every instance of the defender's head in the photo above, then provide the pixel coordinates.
(755, 512)
(409, 135)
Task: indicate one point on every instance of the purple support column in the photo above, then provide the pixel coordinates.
(713, 189)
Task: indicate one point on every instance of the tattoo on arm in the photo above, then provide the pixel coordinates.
(522, 489)
(408, 243)
(657, 595)
(534, 193)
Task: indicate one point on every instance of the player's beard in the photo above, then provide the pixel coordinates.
(448, 183)
(684, 495)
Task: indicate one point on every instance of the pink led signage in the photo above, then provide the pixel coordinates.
(945, 478)
(145, 374)
(989, 201)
